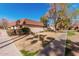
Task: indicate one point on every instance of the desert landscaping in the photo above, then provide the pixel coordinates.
(54, 30)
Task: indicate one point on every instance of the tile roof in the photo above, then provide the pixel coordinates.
(31, 22)
(27, 22)
(11, 24)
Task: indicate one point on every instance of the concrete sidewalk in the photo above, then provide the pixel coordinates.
(9, 50)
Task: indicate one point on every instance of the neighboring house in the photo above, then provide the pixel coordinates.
(75, 26)
(35, 26)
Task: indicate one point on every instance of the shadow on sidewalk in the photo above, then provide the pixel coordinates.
(11, 42)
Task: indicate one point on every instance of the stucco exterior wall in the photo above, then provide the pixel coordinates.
(36, 29)
(33, 29)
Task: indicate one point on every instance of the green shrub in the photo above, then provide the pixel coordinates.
(70, 33)
(25, 30)
(28, 53)
(68, 43)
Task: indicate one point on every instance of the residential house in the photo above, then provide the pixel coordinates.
(35, 26)
(75, 26)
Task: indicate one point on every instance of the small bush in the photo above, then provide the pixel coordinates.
(68, 43)
(25, 30)
(70, 33)
(28, 53)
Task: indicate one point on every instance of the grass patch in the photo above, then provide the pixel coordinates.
(28, 53)
(71, 33)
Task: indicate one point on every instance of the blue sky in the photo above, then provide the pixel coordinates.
(15, 11)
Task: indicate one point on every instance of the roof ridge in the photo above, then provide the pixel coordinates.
(28, 19)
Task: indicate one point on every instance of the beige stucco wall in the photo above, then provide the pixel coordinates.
(36, 29)
(33, 29)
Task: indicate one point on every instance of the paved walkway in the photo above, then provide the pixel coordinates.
(5, 48)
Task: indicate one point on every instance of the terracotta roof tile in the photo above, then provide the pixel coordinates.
(11, 24)
(27, 22)
(31, 22)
